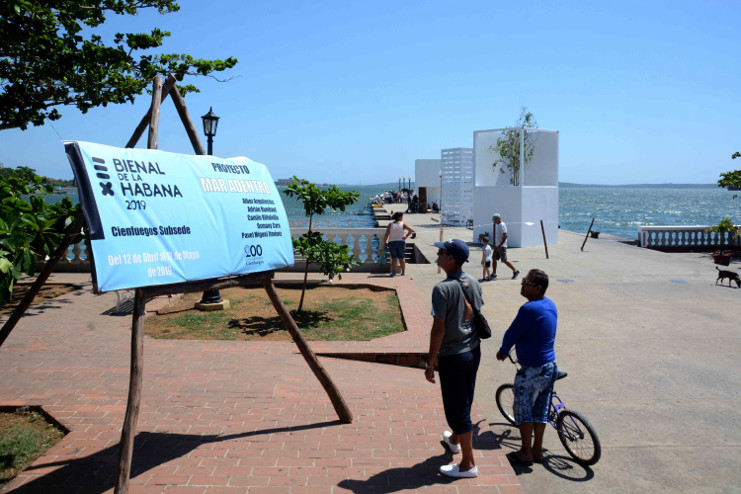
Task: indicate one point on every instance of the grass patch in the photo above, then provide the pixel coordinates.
(23, 438)
(331, 313)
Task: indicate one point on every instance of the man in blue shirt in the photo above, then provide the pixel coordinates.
(534, 333)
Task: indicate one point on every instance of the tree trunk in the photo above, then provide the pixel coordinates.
(306, 271)
(303, 288)
(40, 280)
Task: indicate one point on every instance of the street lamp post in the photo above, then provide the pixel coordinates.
(409, 196)
(211, 299)
(441, 191)
(210, 124)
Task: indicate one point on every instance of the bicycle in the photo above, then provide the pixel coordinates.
(574, 430)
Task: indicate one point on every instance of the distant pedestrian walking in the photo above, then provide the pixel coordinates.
(500, 246)
(486, 258)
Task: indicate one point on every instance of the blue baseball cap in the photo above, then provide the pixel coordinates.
(456, 248)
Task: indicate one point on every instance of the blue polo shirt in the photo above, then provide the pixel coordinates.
(534, 333)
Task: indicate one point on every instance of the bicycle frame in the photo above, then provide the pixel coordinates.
(576, 433)
(554, 408)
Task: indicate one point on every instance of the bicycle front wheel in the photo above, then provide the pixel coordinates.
(505, 401)
(578, 437)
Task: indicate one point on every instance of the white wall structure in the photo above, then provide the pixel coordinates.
(522, 206)
(458, 173)
(427, 173)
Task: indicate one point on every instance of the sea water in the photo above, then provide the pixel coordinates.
(617, 210)
(621, 210)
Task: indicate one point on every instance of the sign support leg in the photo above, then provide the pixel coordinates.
(126, 447)
(343, 411)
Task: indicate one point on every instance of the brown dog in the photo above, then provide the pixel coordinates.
(722, 275)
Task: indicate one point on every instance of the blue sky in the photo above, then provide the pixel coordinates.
(353, 92)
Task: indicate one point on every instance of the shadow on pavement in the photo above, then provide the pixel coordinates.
(96, 473)
(566, 468)
(420, 475)
(561, 466)
(425, 473)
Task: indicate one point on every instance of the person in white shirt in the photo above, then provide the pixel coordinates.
(500, 246)
(396, 235)
(486, 258)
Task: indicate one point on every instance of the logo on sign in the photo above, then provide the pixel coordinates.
(101, 174)
(253, 255)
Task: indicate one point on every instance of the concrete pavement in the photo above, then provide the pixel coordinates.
(652, 348)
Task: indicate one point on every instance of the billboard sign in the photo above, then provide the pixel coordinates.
(157, 218)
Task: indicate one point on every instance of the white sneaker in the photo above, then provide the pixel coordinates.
(454, 471)
(454, 448)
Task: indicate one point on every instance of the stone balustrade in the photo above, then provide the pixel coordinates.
(366, 245)
(684, 239)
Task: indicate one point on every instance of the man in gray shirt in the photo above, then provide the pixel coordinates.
(455, 349)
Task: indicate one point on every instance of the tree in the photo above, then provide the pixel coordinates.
(727, 179)
(508, 148)
(332, 258)
(733, 178)
(26, 173)
(725, 226)
(28, 228)
(50, 56)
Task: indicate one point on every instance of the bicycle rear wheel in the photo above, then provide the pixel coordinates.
(578, 437)
(505, 400)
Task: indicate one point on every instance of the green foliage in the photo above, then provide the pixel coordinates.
(333, 259)
(508, 148)
(733, 178)
(28, 227)
(50, 56)
(725, 226)
(317, 200)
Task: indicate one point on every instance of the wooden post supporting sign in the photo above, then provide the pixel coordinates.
(135, 380)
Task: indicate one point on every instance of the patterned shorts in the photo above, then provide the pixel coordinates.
(533, 386)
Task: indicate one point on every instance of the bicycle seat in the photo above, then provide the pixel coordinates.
(561, 374)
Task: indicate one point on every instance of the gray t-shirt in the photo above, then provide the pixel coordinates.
(449, 303)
